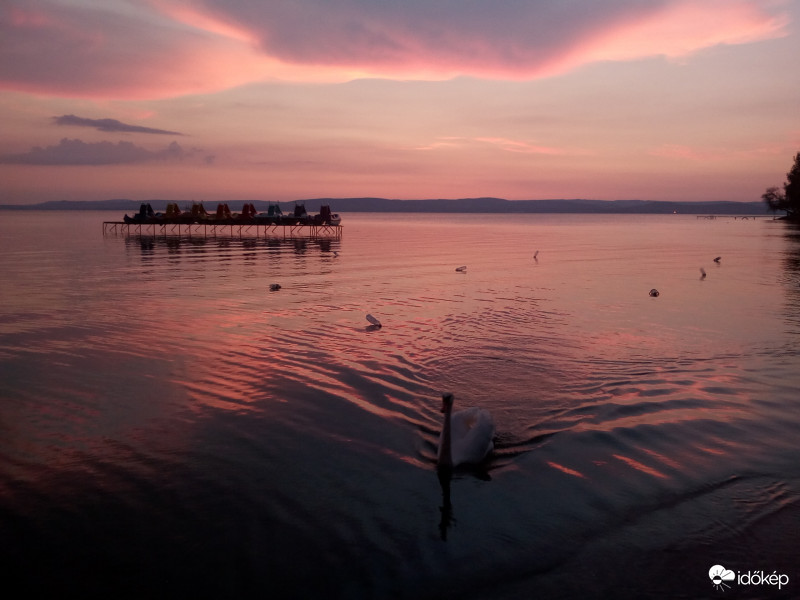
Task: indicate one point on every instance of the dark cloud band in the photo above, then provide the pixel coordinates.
(109, 125)
(78, 152)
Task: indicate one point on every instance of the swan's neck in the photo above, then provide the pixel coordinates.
(445, 452)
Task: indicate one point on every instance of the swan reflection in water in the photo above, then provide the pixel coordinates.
(445, 474)
(466, 440)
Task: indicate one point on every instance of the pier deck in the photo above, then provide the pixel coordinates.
(212, 230)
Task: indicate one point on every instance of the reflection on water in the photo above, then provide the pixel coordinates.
(791, 278)
(171, 422)
(221, 248)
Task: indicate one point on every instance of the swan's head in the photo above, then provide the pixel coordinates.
(447, 402)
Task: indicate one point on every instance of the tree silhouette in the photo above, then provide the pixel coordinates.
(789, 199)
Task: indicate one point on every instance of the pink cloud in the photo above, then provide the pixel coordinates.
(98, 52)
(446, 38)
(501, 143)
(520, 146)
(167, 48)
(680, 29)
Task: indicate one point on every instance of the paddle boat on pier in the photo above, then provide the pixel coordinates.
(224, 216)
(197, 221)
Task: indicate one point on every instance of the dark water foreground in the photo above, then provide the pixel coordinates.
(172, 428)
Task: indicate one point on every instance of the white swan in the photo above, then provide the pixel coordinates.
(467, 435)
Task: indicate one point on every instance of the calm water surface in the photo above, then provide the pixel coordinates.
(170, 427)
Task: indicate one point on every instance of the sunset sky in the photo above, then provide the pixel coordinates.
(292, 99)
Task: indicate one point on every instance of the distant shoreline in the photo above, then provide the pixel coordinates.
(463, 205)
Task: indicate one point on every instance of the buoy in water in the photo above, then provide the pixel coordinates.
(654, 293)
(274, 287)
(461, 269)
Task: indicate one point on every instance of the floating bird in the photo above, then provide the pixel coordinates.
(336, 254)
(461, 269)
(702, 273)
(654, 293)
(716, 260)
(374, 321)
(274, 287)
(467, 435)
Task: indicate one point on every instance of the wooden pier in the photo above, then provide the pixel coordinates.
(222, 230)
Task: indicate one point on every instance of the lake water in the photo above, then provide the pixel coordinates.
(170, 427)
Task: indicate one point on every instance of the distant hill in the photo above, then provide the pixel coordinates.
(463, 205)
(499, 205)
